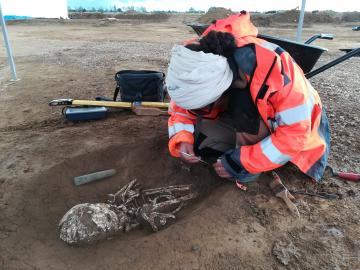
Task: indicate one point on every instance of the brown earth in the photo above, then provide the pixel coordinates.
(214, 13)
(148, 17)
(225, 229)
(289, 17)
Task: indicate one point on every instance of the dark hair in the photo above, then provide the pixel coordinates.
(219, 43)
(194, 47)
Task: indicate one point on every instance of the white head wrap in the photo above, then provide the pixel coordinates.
(196, 79)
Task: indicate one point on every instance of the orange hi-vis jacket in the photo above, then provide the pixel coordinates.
(286, 102)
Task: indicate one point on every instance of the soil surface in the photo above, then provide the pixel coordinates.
(226, 228)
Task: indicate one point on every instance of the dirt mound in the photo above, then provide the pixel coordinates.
(321, 17)
(154, 17)
(292, 16)
(214, 13)
(350, 16)
(88, 15)
(261, 21)
(281, 17)
(15, 22)
(151, 17)
(289, 16)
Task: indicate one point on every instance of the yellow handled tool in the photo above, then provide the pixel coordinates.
(113, 104)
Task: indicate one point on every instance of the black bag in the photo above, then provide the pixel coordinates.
(140, 85)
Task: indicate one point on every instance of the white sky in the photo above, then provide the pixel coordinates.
(237, 5)
(35, 8)
(57, 8)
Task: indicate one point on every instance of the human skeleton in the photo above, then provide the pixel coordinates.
(126, 210)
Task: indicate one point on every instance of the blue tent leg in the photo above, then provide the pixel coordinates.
(8, 48)
(301, 20)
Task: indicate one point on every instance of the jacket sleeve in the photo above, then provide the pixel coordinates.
(181, 128)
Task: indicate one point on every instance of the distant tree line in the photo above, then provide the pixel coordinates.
(93, 9)
(116, 9)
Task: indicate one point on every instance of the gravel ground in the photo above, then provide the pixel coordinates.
(225, 229)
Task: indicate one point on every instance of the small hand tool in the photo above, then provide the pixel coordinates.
(323, 195)
(87, 178)
(354, 177)
(190, 155)
(113, 104)
(282, 192)
(237, 183)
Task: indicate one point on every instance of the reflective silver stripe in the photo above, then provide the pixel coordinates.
(180, 127)
(183, 114)
(299, 113)
(270, 46)
(295, 114)
(170, 110)
(171, 131)
(272, 153)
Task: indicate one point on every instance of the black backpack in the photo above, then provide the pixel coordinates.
(140, 85)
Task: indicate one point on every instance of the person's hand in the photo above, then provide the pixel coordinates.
(220, 170)
(187, 154)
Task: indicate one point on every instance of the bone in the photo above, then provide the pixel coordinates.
(124, 211)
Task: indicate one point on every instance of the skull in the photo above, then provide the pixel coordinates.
(86, 223)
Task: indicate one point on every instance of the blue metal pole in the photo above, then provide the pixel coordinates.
(7, 46)
(301, 21)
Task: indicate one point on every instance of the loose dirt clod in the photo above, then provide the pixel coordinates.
(284, 251)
